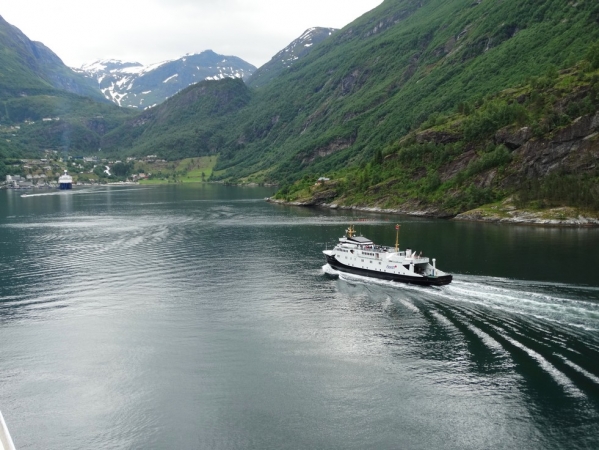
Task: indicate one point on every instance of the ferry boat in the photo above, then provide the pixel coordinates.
(65, 181)
(359, 255)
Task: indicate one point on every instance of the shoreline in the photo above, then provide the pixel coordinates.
(563, 217)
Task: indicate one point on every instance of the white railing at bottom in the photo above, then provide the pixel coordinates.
(5, 439)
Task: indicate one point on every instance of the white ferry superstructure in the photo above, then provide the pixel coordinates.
(360, 256)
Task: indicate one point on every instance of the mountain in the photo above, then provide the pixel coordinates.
(44, 104)
(534, 145)
(369, 84)
(186, 125)
(404, 64)
(134, 85)
(411, 104)
(29, 68)
(283, 60)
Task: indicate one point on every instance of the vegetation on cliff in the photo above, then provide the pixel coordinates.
(363, 88)
(193, 123)
(382, 76)
(29, 68)
(537, 142)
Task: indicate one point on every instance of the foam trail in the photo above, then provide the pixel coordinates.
(54, 193)
(328, 270)
(84, 191)
(352, 277)
(539, 301)
(549, 368)
(578, 368)
(487, 339)
(409, 305)
(549, 305)
(442, 319)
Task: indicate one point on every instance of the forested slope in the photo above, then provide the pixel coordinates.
(380, 77)
(536, 144)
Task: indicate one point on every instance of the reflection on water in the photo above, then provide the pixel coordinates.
(200, 317)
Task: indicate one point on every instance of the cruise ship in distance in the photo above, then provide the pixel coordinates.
(65, 181)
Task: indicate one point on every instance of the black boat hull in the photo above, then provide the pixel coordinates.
(422, 281)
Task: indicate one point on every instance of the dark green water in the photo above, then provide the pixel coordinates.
(200, 317)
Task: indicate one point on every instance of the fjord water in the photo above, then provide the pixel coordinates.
(200, 317)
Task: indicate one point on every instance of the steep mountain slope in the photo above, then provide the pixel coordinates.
(384, 74)
(29, 68)
(418, 102)
(64, 122)
(535, 144)
(188, 124)
(283, 60)
(364, 88)
(133, 85)
(44, 104)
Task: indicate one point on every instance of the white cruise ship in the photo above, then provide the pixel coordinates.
(65, 181)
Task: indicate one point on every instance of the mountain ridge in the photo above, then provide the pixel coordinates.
(132, 84)
(289, 55)
(29, 67)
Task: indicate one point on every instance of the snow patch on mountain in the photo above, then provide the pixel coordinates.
(132, 84)
(170, 78)
(289, 55)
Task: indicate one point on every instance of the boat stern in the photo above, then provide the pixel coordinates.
(440, 280)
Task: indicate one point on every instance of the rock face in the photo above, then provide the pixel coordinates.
(513, 139)
(556, 217)
(325, 200)
(329, 149)
(437, 137)
(457, 165)
(572, 149)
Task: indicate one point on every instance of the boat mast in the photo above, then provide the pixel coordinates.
(350, 231)
(396, 238)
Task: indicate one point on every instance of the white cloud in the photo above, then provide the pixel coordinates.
(150, 31)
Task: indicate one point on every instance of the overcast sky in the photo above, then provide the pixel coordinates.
(150, 31)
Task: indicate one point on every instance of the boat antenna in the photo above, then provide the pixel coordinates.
(397, 238)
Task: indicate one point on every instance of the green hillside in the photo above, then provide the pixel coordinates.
(374, 103)
(370, 84)
(383, 75)
(30, 68)
(195, 122)
(36, 85)
(59, 121)
(536, 143)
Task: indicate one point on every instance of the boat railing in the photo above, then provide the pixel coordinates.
(5, 439)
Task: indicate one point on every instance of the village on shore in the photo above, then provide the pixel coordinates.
(43, 173)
